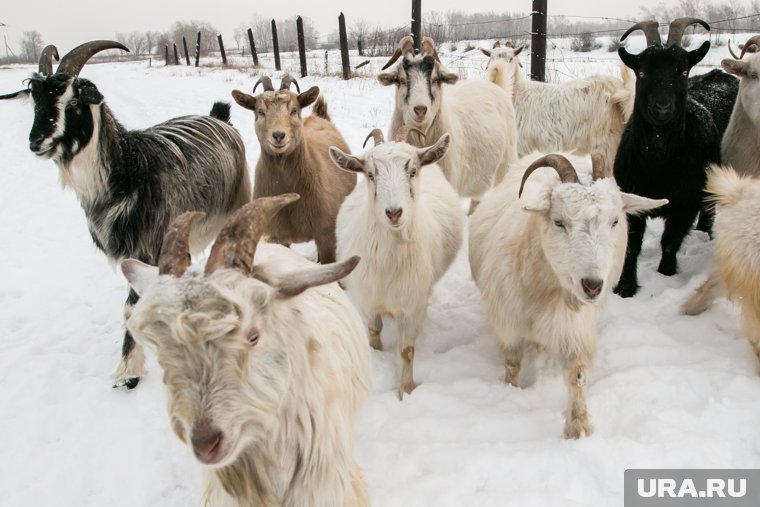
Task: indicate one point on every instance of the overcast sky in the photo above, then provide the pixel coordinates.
(67, 23)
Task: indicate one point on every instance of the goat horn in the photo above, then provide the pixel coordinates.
(753, 41)
(733, 55)
(650, 29)
(235, 245)
(559, 163)
(46, 60)
(175, 250)
(265, 82)
(377, 136)
(597, 166)
(428, 48)
(403, 133)
(497, 44)
(287, 81)
(74, 60)
(405, 45)
(679, 25)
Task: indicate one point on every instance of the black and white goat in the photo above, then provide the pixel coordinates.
(132, 184)
(670, 140)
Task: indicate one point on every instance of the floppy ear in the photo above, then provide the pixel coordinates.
(389, 77)
(346, 161)
(696, 56)
(139, 275)
(433, 154)
(89, 94)
(630, 61)
(448, 77)
(308, 97)
(539, 202)
(735, 67)
(20, 93)
(634, 204)
(485, 52)
(244, 100)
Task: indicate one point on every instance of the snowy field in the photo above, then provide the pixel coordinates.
(665, 390)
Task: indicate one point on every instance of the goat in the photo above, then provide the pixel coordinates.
(294, 159)
(584, 115)
(667, 144)
(479, 116)
(407, 226)
(545, 264)
(263, 361)
(131, 184)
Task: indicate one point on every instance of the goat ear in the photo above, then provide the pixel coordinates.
(630, 61)
(296, 282)
(308, 97)
(519, 50)
(449, 78)
(634, 204)
(433, 154)
(696, 56)
(89, 94)
(485, 52)
(244, 100)
(735, 67)
(388, 78)
(346, 161)
(139, 275)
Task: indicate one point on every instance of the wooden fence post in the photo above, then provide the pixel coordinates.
(359, 46)
(166, 54)
(253, 48)
(301, 45)
(176, 55)
(417, 24)
(221, 48)
(538, 42)
(344, 46)
(187, 55)
(275, 46)
(198, 49)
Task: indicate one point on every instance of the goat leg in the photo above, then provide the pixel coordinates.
(577, 422)
(375, 328)
(408, 327)
(513, 356)
(132, 365)
(628, 284)
(677, 226)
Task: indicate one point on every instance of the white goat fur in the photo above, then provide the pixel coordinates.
(399, 266)
(291, 399)
(529, 269)
(583, 116)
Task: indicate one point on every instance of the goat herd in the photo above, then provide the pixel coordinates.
(267, 362)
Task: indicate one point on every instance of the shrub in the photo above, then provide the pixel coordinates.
(584, 42)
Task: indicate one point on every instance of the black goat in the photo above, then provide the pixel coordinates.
(670, 140)
(132, 184)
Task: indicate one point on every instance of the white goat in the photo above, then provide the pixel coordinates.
(407, 226)
(478, 115)
(265, 373)
(545, 264)
(583, 116)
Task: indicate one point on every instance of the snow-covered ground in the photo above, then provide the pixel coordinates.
(666, 390)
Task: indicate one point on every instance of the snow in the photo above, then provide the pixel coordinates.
(666, 390)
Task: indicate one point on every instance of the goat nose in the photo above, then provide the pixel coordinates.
(420, 111)
(278, 136)
(205, 439)
(592, 286)
(35, 142)
(394, 214)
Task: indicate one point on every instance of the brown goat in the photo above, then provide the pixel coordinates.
(294, 159)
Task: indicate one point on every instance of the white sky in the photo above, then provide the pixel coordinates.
(67, 23)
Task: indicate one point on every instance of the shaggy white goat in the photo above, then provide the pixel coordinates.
(266, 364)
(545, 264)
(478, 115)
(406, 224)
(583, 116)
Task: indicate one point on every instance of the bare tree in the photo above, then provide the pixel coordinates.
(262, 33)
(240, 34)
(31, 45)
(190, 29)
(151, 41)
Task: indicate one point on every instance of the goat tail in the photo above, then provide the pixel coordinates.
(320, 108)
(221, 111)
(725, 187)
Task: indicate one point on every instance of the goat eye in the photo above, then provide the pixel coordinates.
(753, 75)
(615, 223)
(253, 336)
(73, 102)
(685, 73)
(261, 112)
(413, 173)
(641, 73)
(559, 224)
(370, 176)
(293, 111)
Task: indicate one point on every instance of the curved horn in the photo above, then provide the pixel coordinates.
(679, 25)
(559, 163)
(287, 81)
(497, 44)
(265, 82)
(175, 250)
(428, 48)
(46, 60)
(403, 133)
(733, 55)
(748, 46)
(597, 166)
(235, 246)
(74, 60)
(405, 45)
(650, 29)
(377, 136)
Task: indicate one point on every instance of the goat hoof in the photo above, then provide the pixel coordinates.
(127, 383)
(667, 268)
(626, 290)
(576, 428)
(406, 389)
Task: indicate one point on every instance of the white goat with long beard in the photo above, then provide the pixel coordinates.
(545, 264)
(266, 364)
(406, 225)
(583, 116)
(478, 115)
